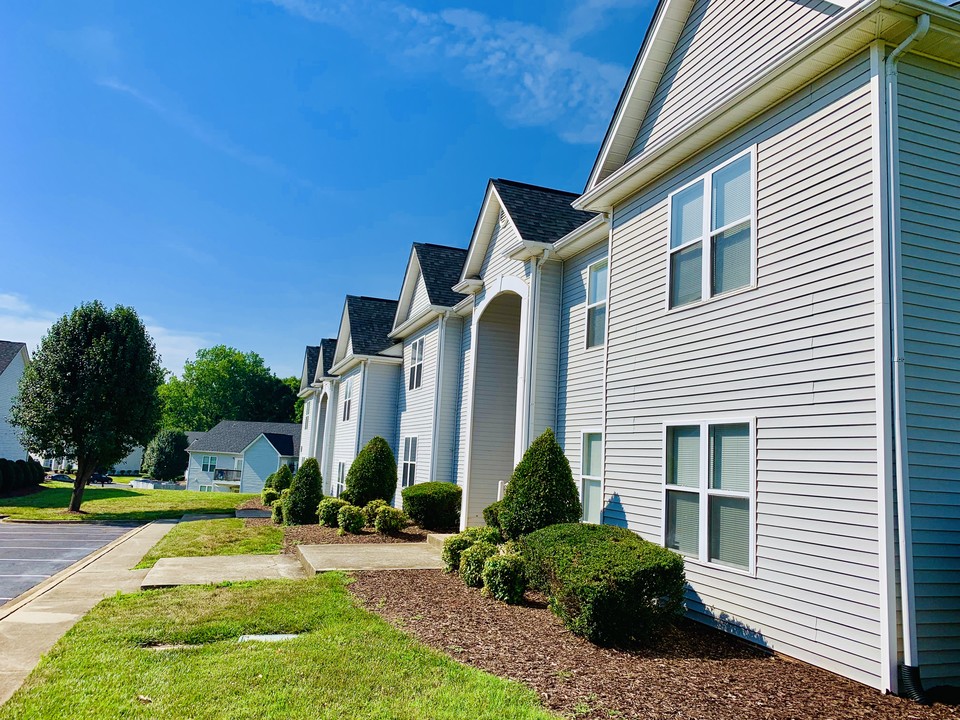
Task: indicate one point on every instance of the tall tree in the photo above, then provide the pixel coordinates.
(166, 456)
(91, 391)
(294, 384)
(222, 383)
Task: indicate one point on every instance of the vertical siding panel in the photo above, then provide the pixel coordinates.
(464, 398)
(930, 225)
(380, 403)
(548, 327)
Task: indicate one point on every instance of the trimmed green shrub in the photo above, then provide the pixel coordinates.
(283, 478)
(472, 561)
(453, 546)
(541, 492)
(371, 508)
(278, 511)
(433, 505)
(271, 482)
(504, 578)
(372, 475)
(39, 472)
(306, 492)
(268, 495)
(350, 519)
(389, 520)
(605, 583)
(491, 514)
(328, 510)
(22, 473)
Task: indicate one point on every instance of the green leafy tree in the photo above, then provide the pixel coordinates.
(541, 492)
(372, 475)
(91, 391)
(306, 492)
(166, 456)
(294, 384)
(222, 383)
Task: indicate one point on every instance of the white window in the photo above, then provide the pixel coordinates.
(597, 304)
(209, 463)
(708, 492)
(591, 477)
(416, 365)
(341, 483)
(347, 398)
(205, 488)
(712, 234)
(306, 415)
(238, 464)
(409, 467)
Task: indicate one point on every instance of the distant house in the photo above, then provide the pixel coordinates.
(130, 465)
(13, 361)
(237, 456)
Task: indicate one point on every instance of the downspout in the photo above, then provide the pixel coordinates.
(438, 394)
(363, 398)
(909, 673)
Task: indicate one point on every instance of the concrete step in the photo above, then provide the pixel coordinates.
(369, 556)
(170, 572)
(438, 539)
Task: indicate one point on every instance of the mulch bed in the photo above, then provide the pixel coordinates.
(694, 673)
(253, 504)
(294, 535)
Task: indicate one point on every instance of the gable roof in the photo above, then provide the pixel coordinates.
(192, 437)
(371, 320)
(310, 359)
(440, 267)
(233, 436)
(328, 349)
(540, 214)
(8, 351)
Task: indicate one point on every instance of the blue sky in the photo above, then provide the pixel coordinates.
(233, 168)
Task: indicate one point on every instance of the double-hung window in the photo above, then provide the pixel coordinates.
(306, 414)
(712, 231)
(708, 493)
(416, 365)
(347, 398)
(209, 463)
(591, 477)
(409, 468)
(341, 482)
(597, 304)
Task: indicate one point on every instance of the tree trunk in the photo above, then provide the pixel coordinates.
(84, 471)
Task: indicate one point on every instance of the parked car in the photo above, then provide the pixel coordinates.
(99, 478)
(61, 477)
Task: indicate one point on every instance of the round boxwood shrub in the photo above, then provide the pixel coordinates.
(472, 561)
(454, 545)
(389, 520)
(491, 514)
(268, 495)
(371, 508)
(433, 505)
(372, 475)
(541, 492)
(23, 473)
(328, 510)
(504, 578)
(350, 519)
(306, 492)
(277, 511)
(605, 583)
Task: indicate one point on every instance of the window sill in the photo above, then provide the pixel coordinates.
(752, 573)
(712, 298)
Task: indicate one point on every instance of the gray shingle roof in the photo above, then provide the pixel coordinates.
(192, 437)
(312, 356)
(371, 320)
(441, 267)
(540, 214)
(232, 436)
(328, 349)
(8, 351)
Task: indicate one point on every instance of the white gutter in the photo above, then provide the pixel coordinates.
(907, 597)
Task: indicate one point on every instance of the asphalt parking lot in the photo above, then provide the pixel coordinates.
(29, 554)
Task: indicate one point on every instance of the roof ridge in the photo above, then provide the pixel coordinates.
(437, 245)
(368, 297)
(531, 186)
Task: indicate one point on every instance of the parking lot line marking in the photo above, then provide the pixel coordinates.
(27, 575)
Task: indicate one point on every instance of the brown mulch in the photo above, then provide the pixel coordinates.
(694, 673)
(294, 535)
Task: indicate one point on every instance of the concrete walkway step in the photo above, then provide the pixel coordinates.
(437, 539)
(253, 513)
(170, 572)
(373, 556)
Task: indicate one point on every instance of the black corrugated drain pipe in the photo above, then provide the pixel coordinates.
(911, 686)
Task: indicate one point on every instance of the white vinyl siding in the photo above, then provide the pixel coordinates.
(420, 301)
(929, 129)
(380, 403)
(417, 407)
(447, 440)
(505, 240)
(547, 332)
(258, 462)
(10, 447)
(723, 42)
(797, 354)
(345, 431)
(200, 478)
(464, 398)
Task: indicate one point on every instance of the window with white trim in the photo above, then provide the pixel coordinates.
(238, 464)
(415, 379)
(306, 414)
(712, 228)
(347, 398)
(209, 463)
(708, 493)
(409, 466)
(591, 477)
(341, 483)
(597, 304)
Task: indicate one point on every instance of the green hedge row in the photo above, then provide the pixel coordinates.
(19, 474)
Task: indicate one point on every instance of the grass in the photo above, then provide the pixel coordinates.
(117, 504)
(347, 663)
(229, 536)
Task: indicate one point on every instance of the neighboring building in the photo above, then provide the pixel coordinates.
(130, 465)
(13, 361)
(237, 456)
(318, 388)
(745, 332)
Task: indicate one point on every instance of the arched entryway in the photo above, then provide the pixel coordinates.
(496, 383)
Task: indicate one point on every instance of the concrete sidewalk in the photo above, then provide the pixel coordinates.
(171, 572)
(374, 556)
(33, 624)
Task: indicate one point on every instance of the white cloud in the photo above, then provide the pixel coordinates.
(532, 77)
(588, 16)
(22, 322)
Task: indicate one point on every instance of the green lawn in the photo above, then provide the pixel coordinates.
(229, 536)
(117, 504)
(348, 663)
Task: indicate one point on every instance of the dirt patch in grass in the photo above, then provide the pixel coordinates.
(695, 672)
(322, 535)
(253, 503)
